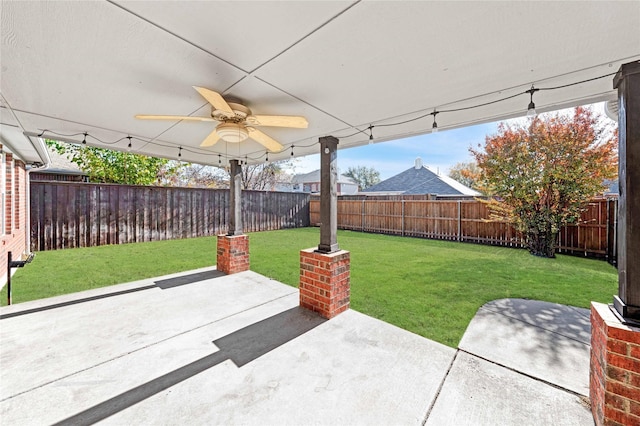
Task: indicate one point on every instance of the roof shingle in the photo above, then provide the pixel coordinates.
(421, 180)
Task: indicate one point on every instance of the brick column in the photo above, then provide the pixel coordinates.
(614, 379)
(233, 253)
(325, 281)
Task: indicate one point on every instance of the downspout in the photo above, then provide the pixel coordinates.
(27, 228)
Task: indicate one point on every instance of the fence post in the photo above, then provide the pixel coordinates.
(612, 216)
(459, 220)
(362, 216)
(579, 248)
(402, 218)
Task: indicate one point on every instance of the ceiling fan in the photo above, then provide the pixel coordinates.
(237, 123)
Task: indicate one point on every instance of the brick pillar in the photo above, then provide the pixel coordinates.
(233, 253)
(614, 379)
(325, 281)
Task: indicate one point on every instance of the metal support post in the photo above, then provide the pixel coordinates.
(328, 195)
(627, 81)
(235, 198)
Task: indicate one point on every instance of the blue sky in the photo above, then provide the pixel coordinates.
(439, 151)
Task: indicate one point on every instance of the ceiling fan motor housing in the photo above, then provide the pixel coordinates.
(240, 113)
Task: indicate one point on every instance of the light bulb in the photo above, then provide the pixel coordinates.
(531, 109)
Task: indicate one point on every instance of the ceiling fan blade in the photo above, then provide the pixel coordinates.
(215, 99)
(264, 139)
(294, 121)
(211, 140)
(173, 117)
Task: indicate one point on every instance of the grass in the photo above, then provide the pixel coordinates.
(57, 272)
(432, 288)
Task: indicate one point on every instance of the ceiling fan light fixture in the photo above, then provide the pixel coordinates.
(232, 132)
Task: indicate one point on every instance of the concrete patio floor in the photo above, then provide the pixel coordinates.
(205, 348)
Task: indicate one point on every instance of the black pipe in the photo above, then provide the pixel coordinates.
(9, 278)
(15, 264)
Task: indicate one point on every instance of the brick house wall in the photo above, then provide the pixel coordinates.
(13, 226)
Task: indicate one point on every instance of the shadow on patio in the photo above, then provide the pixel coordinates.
(237, 349)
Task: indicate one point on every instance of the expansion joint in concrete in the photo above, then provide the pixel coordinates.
(444, 379)
(537, 379)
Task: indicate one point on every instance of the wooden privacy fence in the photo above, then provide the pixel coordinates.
(466, 220)
(67, 215)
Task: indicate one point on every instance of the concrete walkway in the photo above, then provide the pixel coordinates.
(205, 348)
(520, 362)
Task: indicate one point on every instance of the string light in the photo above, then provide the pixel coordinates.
(506, 98)
(531, 109)
(129, 146)
(531, 112)
(434, 128)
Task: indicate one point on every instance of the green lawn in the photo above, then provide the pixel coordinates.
(432, 288)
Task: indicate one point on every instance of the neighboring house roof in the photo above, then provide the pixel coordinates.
(60, 164)
(314, 176)
(420, 180)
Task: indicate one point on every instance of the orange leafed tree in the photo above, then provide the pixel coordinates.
(467, 174)
(542, 173)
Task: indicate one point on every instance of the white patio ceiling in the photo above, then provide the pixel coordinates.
(81, 66)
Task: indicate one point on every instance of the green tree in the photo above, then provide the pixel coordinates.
(108, 166)
(467, 174)
(363, 176)
(545, 171)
